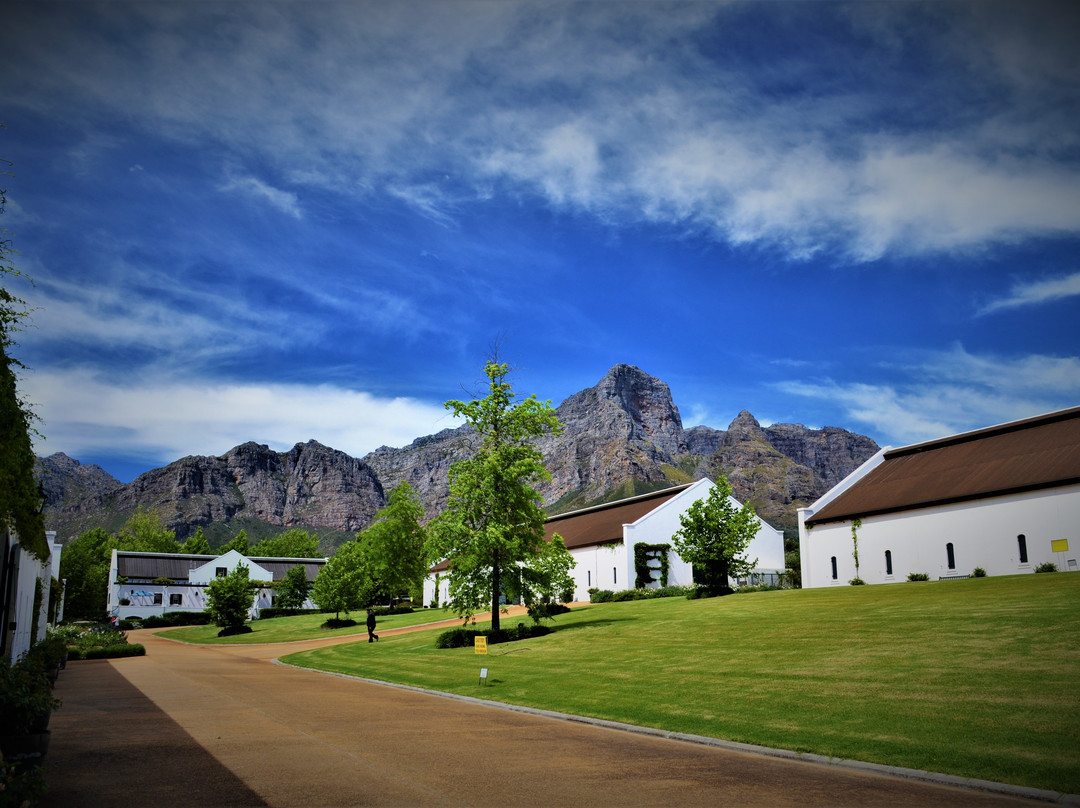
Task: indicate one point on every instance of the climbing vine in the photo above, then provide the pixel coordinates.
(643, 556)
(855, 525)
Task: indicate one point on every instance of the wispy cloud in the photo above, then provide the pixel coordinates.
(284, 201)
(563, 103)
(170, 419)
(1032, 293)
(952, 391)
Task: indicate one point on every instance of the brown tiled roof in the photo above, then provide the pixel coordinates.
(599, 524)
(604, 523)
(1027, 455)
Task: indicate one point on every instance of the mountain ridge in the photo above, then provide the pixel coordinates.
(620, 437)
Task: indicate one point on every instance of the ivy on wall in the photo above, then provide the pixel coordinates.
(643, 569)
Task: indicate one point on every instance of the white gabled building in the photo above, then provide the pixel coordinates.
(602, 539)
(23, 578)
(150, 584)
(1005, 498)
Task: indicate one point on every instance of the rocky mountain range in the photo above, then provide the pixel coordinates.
(621, 437)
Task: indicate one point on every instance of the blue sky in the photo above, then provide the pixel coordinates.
(278, 222)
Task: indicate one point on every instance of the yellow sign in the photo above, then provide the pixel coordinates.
(1059, 545)
(480, 644)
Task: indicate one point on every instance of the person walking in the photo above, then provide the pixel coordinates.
(371, 635)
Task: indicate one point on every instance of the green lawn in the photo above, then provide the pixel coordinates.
(302, 627)
(977, 677)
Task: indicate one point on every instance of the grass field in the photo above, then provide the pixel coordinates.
(977, 677)
(301, 627)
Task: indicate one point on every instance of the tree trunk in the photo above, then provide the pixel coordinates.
(496, 585)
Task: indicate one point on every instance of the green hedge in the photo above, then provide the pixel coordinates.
(463, 637)
(607, 596)
(277, 611)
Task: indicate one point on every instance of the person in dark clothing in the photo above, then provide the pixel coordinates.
(371, 635)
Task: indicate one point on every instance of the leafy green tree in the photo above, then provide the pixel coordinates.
(543, 579)
(292, 543)
(293, 589)
(229, 599)
(493, 521)
(239, 543)
(714, 537)
(343, 585)
(196, 543)
(144, 532)
(393, 545)
(84, 567)
(20, 497)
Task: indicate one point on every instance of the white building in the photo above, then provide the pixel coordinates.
(23, 579)
(1005, 499)
(150, 584)
(602, 540)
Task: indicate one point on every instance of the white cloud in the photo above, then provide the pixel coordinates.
(284, 201)
(950, 392)
(1034, 292)
(85, 414)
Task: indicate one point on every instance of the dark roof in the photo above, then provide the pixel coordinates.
(603, 523)
(178, 565)
(1028, 455)
(599, 524)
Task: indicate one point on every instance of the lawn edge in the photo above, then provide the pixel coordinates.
(879, 769)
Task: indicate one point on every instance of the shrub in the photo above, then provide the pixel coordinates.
(978, 572)
(1047, 567)
(232, 631)
(170, 619)
(600, 595)
(383, 611)
(463, 637)
(857, 582)
(918, 576)
(110, 651)
(338, 622)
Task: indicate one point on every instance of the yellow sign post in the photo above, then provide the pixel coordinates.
(480, 644)
(1059, 545)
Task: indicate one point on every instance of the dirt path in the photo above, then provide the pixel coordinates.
(223, 725)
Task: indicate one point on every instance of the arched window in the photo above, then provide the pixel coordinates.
(888, 562)
(952, 556)
(834, 576)
(1021, 540)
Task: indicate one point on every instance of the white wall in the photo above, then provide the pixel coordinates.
(600, 567)
(983, 534)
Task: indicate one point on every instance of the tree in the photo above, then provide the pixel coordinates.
(493, 520)
(292, 543)
(196, 543)
(144, 532)
(393, 546)
(229, 599)
(343, 585)
(714, 537)
(543, 579)
(240, 544)
(20, 497)
(84, 567)
(292, 590)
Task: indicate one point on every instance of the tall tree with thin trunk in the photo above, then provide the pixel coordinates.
(493, 519)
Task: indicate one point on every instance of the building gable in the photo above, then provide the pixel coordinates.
(1028, 455)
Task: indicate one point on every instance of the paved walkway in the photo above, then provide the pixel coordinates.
(225, 726)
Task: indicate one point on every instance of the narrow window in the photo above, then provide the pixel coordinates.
(221, 572)
(888, 562)
(952, 556)
(157, 598)
(834, 576)
(590, 577)
(1021, 540)
(614, 575)
(175, 600)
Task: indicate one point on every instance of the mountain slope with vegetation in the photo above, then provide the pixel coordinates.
(621, 437)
